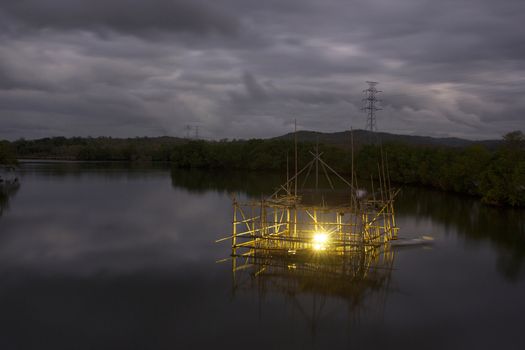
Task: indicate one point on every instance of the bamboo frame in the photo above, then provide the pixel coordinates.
(274, 239)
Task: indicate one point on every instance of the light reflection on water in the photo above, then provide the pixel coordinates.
(110, 256)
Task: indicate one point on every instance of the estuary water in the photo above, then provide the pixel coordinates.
(119, 256)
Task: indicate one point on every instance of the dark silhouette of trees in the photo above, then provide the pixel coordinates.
(7, 154)
(495, 176)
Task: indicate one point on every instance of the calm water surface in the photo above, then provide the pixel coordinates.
(105, 256)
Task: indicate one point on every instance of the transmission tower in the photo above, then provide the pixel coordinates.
(370, 105)
(192, 131)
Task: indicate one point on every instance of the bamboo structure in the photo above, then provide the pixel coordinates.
(333, 242)
(292, 223)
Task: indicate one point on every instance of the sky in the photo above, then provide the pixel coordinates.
(249, 68)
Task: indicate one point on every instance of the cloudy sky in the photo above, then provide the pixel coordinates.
(248, 68)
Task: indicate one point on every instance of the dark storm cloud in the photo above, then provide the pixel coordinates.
(128, 16)
(245, 68)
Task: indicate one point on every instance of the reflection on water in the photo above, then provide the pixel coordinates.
(9, 185)
(253, 184)
(355, 279)
(73, 169)
(503, 227)
(7, 190)
(107, 256)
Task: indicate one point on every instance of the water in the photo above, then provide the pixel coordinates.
(105, 256)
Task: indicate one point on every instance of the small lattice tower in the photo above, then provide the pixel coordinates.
(371, 105)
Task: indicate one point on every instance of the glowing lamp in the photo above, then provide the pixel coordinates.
(320, 240)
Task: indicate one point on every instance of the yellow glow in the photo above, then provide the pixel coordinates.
(320, 240)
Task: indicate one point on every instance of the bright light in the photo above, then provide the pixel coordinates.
(320, 240)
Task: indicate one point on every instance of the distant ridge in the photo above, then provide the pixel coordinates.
(365, 137)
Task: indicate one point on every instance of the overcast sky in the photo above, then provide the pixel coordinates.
(248, 68)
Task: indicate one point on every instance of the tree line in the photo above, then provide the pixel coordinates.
(495, 176)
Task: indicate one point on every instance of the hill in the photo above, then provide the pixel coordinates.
(362, 137)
